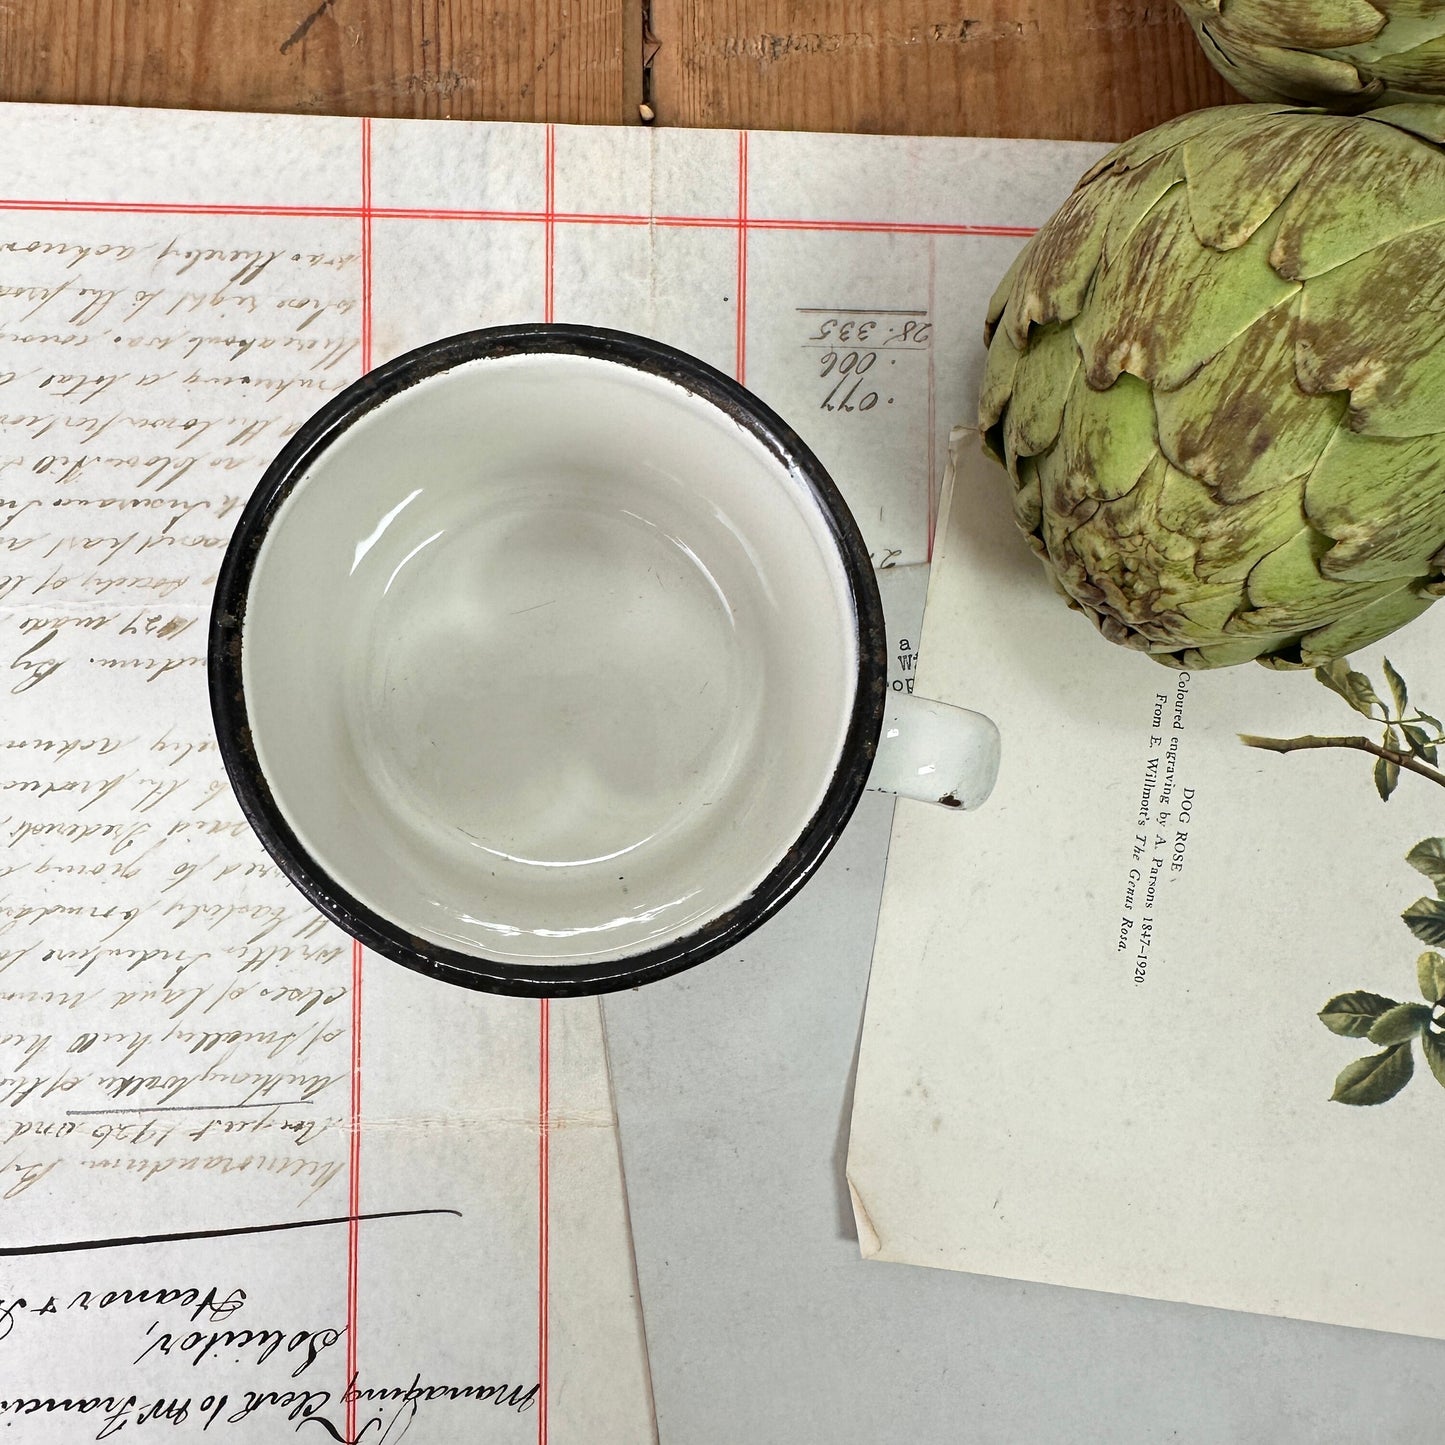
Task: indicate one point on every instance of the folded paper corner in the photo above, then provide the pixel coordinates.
(869, 1243)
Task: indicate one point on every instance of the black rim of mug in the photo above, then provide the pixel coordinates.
(393, 940)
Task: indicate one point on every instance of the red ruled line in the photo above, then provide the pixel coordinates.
(933, 488)
(549, 223)
(410, 213)
(544, 1169)
(548, 218)
(366, 262)
(904, 228)
(353, 1230)
(742, 224)
(544, 1008)
(171, 208)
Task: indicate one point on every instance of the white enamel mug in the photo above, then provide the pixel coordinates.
(547, 660)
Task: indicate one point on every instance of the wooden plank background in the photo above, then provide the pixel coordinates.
(1073, 69)
(1081, 69)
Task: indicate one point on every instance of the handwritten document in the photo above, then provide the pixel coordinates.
(252, 1184)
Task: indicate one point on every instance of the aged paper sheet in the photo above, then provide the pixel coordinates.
(185, 1048)
(1094, 1052)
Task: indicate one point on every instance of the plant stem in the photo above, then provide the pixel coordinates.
(1364, 745)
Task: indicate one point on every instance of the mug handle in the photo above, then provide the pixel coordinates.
(936, 753)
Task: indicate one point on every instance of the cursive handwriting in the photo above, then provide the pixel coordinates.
(171, 1008)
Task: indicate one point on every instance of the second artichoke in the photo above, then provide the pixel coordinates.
(1344, 54)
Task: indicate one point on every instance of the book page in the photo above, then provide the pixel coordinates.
(1106, 1041)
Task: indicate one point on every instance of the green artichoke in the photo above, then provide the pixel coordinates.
(1217, 377)
(1344, 54)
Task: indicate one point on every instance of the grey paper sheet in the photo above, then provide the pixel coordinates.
(732, 1085)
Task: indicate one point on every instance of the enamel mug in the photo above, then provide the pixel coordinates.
(548, 660)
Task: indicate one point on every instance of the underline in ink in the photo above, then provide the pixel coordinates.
(915, 348)
(854, 311)
(124, 1241)
(195, 1108)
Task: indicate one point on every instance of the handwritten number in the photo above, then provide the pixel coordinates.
(845, 402)
(853, 350)
(850, 364)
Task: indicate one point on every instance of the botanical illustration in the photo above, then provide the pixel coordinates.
(1409, 741)
(1393, 1025)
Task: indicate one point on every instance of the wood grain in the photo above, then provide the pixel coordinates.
(1072, 69)
(1086, 69)
(559, 60)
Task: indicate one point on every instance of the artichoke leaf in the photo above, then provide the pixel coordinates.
(1137, 522)
(1381, 500)
(1231, 653)
(1119, 634)
(1421, 68)
(1057, 267)
(1364, 626)
(1287, 591)
(1417, 407)
(1144, 147)
(1418, 118)
(1362, 614)
(1028, 501)
(1415, 25)
(1135, 195)
(1042, 382)
(1373, 183)
(1208, 613)
(1296, 24)
(1242, 424)
(1273, 73)
(1002, 292)
(1129, 567)
(1237, 183)
(1227, 542)
(1065, 510)
(1107, 440)
(998, 376)
(1404, 13)
(1168, 304)
(1373, 328)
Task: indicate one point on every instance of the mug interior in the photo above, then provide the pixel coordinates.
(549, 659)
